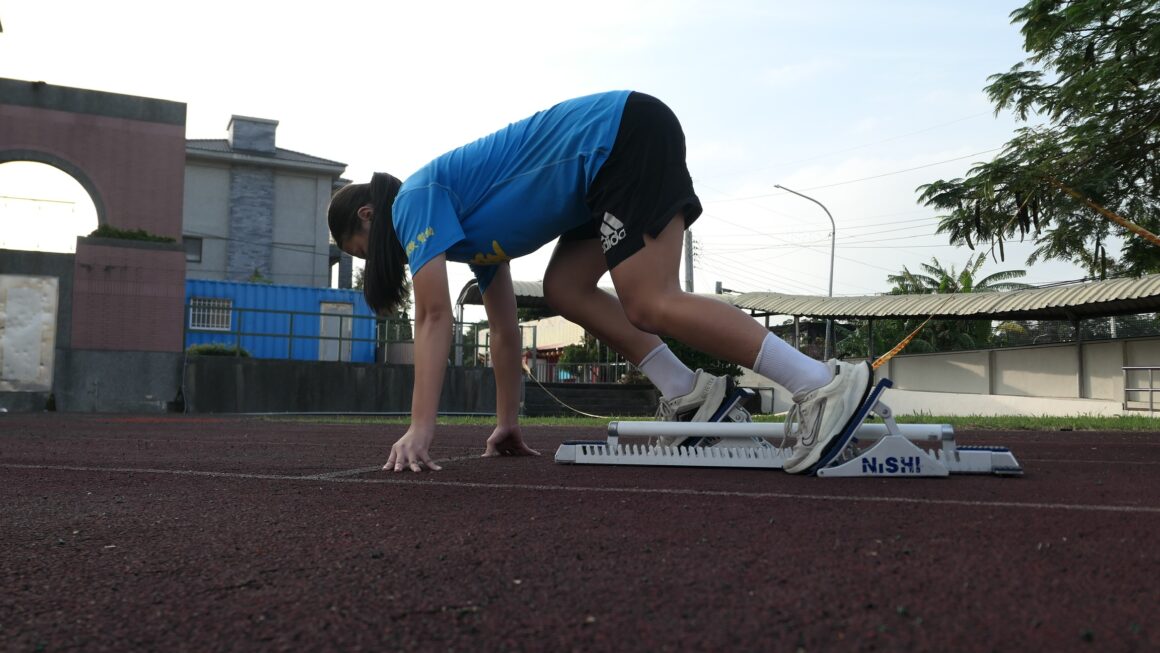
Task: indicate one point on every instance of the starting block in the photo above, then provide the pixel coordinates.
(864, 449)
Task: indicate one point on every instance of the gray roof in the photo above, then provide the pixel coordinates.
(219, 148)
(1065, 302)
(529, 294)
(1091, 299)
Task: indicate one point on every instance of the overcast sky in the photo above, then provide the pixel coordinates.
(853, 103)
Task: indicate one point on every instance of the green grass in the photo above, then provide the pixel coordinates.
(970, 422)
(1040, 423)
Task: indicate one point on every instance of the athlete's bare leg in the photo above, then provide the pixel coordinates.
(647, 284)
(570, 286)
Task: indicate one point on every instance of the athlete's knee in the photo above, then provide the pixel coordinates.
(647, 312)
(560, 291)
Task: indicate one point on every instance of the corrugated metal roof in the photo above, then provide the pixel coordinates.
(529, 294)
(1091, 299)
(1095, 298)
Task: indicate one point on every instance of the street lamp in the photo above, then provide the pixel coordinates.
(833, 240)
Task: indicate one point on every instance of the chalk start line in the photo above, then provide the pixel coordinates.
(427, 479)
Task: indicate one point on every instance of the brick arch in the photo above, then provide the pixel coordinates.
(129, 154)
(65, 166)
(127, 151)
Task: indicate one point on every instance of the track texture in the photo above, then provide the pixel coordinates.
(195, 534)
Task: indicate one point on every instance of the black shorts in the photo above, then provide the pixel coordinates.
(643, 184)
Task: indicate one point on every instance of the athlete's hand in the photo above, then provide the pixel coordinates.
(410, 451)
(507, 441)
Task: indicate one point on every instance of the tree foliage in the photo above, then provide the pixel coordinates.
(1093, 78)
(937, 335)
(591, 350)
(588, 350)
(939, 279)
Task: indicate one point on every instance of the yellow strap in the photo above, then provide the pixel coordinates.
(899, 347)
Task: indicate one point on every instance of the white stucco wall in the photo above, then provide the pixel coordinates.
(301, 241)
(1142, 353)
(1039, 380)
(1049, 371)
(964, 372)
(1103, 370)
(207, 211)
(301, 248)
(28, 306)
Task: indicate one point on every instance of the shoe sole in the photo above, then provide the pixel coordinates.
(822, 449)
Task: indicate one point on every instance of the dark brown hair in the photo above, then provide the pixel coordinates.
(384, 278)
(342, 216)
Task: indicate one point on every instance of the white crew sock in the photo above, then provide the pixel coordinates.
(779, 362)
(672, 377)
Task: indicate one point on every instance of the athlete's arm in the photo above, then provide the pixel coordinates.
(506, 355)
(432, 344)
(506, 345)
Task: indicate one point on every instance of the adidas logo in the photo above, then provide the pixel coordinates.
(611, 232)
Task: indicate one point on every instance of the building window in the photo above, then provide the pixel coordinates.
(192, 249)
(211, 314)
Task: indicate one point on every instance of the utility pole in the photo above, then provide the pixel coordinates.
(688, 260)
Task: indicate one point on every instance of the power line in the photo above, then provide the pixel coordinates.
(861, 179)
(895, 246)
(750, 274)
(827, 231)
(37, 200)
(748, 277)
(851, 238)
(865, 145)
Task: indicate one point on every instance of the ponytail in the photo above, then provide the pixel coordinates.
(384, 279)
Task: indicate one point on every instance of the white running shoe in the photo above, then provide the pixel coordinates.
(820, 415)
(697, 405)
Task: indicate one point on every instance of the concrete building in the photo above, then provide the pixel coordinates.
(256, 212)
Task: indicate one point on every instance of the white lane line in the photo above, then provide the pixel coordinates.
(1088, 462)
(230, 443)
(607, 490)
(376, 468)
(345, 472)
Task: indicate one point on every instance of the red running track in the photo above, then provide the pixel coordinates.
(197, 534)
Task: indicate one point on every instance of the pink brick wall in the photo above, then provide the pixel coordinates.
(130, 154)
(128, 296)
(137, 168)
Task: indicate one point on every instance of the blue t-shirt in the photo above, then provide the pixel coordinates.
(510, 193)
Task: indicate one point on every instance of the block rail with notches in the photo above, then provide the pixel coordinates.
(886, 449)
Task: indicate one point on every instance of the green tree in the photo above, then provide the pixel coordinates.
(1093, 77)
(590, 350)
(939, 279)
(937, 335)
